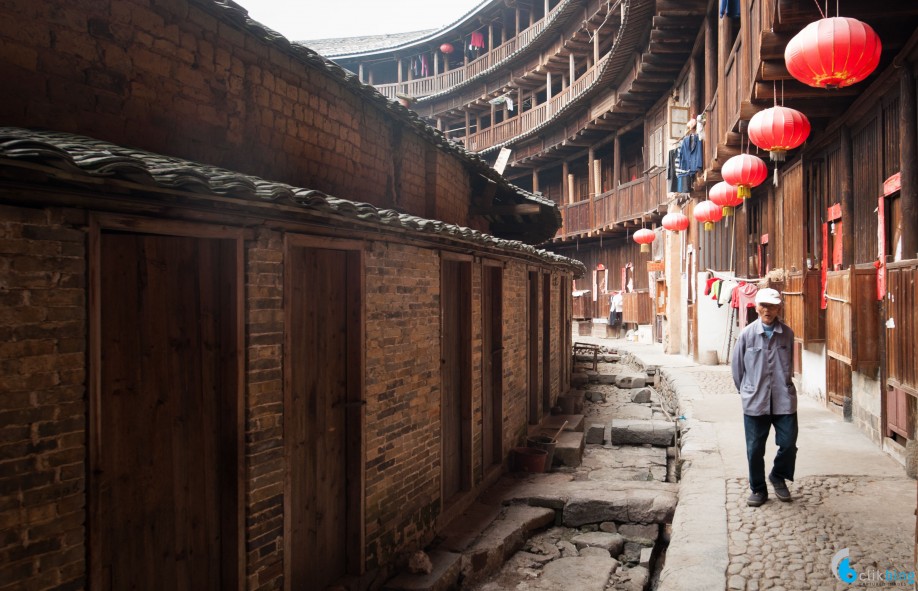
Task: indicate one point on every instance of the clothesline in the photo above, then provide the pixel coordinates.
(722, 275)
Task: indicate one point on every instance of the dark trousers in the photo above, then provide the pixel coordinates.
(757, 429)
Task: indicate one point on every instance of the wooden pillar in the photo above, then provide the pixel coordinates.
(399, 69)
(493, 112)
(517, 20)
(548, 92)
(535, 174)
(436, 62)
(466, 124)
(616, 161)
(565, 193)
(846, 196)
(908, 156)
(596, 46)
(573, 68)
(490, 37)
(563, 81)
(531, 16)
(370, 77)
(591, 178)
(710, 61)
(503, 33)
(440, 123)
(546, 9)
(360, 72)
(570, 186)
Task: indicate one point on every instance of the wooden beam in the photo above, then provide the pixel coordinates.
(773, 44)
(774, 70)
(792, 89)
(517, 209)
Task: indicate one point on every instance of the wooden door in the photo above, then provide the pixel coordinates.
(546, 344)
(897, 422)
(322, 475)
(533, 350)
(456, 408)
(492, 365)
(164, 506)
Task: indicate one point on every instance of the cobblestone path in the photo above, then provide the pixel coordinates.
(789, 546)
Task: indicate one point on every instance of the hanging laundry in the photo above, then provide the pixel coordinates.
(425, 69)
(509, 103)
(477, 41)
(726, 293)
(744, 298)
(708, 284)
(672, 178)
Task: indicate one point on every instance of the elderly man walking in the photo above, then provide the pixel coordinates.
(763, 373)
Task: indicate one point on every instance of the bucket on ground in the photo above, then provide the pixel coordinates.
(544, 442)
(528, 459)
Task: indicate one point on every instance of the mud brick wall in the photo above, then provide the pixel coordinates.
(176, 78)
(264, 392)
(43, 413)
(403, 398)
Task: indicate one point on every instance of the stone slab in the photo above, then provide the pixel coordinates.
(569, 450)
(583, 573)
(638, 432)
(444, 576)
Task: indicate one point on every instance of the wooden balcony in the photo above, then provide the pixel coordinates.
(444, 81)
(629, 202)
(534, 117)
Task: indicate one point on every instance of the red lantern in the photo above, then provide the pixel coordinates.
(833, 53)
(675, 222)
(447, 48)
(744, 171)
(709, 213)
(644, 237)
(778, 130)
(725, 195)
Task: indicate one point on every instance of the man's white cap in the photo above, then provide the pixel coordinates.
(768, 296)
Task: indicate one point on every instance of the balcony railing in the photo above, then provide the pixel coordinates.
(534, 117)
(421, 87)
(628, 202)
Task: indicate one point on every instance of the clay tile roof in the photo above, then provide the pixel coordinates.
(82, 156)
(344, 45)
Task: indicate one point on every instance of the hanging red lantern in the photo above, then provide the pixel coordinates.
(833, 53)
(726, 196)
(744, 171)
(675, 221)
(447, 48)
(708, 213)
(644, 237)
(778, 129)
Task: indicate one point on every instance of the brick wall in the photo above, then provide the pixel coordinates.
(264, 433)
(42, 406)
(173, 78)
(403, 398)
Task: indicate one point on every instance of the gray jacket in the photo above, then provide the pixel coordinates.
(763, 370)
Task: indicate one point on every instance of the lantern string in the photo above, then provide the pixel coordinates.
(774, 91)
(782, 93)
(819, 8)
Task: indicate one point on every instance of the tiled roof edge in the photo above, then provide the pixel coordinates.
(96, 158)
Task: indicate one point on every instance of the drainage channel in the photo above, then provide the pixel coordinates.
(631, 433)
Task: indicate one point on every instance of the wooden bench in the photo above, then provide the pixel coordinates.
(587, 349)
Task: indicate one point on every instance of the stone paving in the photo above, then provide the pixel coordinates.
(790, 545)
(849, 494)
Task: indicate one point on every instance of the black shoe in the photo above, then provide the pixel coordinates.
(780, 489)
(756, 499)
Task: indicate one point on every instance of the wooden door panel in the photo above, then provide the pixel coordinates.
(163, 444)
(317, 458)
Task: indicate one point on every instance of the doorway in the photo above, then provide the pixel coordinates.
(165, 412)
(492, 365)
(322, 414)
(456, 363)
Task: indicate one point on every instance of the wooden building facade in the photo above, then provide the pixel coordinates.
(285, 368)
(589, 115)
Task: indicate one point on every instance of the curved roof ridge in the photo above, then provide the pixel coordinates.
(72, 153)
(612, 68)
(328, 45)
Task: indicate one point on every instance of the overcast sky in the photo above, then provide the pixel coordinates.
(300, 20)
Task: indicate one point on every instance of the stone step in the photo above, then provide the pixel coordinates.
(501, 539)
(640, 432)
(444, 576)
(552, 423)
(569, 450)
